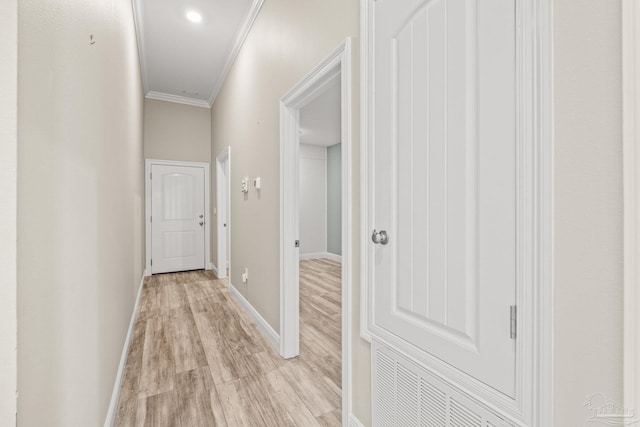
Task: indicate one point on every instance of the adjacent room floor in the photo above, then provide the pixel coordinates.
(196, 359)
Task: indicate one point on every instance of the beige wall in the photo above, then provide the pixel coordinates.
(8, 189)
(80, 205)
(288, 39)
(588, 205)
(175, 131)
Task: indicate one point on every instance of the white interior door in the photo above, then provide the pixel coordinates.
(445, 181)
(177, 218)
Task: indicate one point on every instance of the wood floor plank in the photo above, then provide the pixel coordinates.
(222, 354)
(158, 370)
(288, 399)
(314, 392)
(159, 411)
(197, 359)
(331, 419)
(194, 409)
(188, 352)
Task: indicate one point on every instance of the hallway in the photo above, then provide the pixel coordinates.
(196, 359)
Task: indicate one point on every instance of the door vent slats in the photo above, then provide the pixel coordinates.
(463, 417)
(385, 375)
(433, 405)
(408, 395)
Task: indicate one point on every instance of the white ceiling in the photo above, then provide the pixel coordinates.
(184, 61)
(320, 122)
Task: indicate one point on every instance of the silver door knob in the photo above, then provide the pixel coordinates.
(380, 237)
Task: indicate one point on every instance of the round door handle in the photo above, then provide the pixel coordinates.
(201, 223)
(380, 237)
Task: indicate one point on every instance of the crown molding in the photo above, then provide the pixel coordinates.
(177, 99)
(242, 33)
(241, 36)
(139, 28)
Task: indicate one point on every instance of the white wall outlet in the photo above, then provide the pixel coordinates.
(256, 183)
(245, 275)
(245, 185)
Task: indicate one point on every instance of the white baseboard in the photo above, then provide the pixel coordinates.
(264, 327)
(333, 257)
(115, 396)
(354, 422)
(318, 255)
(213, 268)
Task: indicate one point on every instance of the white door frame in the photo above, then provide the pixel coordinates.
(337, 63)
(223, 203)
(534, 354)
(148, 163)
(631, 176)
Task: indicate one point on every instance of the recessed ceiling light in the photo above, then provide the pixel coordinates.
(194, 16)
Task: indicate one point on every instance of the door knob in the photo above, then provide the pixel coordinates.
(201, 223)
(380, 237)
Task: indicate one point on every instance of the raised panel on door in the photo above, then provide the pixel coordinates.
(177, 205)
(445, 181)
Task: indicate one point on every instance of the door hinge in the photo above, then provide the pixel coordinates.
(151, 262)
(513, 319)
(150, 175)
(297, 243)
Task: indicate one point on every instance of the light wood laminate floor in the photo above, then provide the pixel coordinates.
(196, 359)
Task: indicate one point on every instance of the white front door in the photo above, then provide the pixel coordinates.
(177, 218)
(445, 178)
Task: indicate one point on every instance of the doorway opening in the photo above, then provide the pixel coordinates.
(315, 217)
(223, 203)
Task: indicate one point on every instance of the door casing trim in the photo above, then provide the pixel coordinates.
(336, 65)
(223, 244)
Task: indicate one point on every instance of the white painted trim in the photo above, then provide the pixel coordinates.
(241, 36)
(354, 421)
(178, 99)
(115, 396)
(535, 378)
(631, 169)
(267, 331)
(148, 163)
(365, 53)
(312, 85)
(212, 267)
(321, 255)
(333, 257)
(221, 240)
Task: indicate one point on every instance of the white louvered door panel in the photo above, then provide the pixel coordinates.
(445, 185)
(406, 395)
(177, 226)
